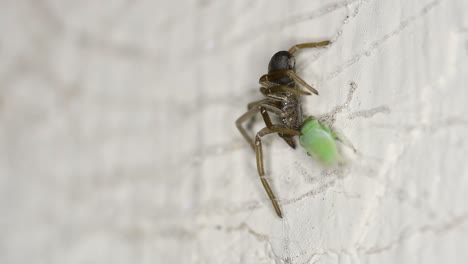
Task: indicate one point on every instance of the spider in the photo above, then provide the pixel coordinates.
(283, 99)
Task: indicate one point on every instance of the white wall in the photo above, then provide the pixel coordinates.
(118, 144)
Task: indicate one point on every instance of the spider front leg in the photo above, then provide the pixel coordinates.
(259, 158)
(296, 47)
(281, 88)
(266, 79)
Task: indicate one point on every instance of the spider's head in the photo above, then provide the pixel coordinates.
(282, 60)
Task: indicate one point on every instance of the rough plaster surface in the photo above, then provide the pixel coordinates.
(118, 145)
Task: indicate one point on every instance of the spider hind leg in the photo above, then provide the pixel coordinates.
(259, 158)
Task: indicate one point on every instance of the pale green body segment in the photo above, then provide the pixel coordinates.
(319, 141)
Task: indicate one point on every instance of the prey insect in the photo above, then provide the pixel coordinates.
(281, 88)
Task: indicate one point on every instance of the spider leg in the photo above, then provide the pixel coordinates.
(253, 108)
(270, 108)
(259, 158)
(256, 103)
(287, 89)
(296, 47)
(264, 109)
(266, 79)
(251, 105)
(266, 117)
(281, 88)
(270, 88)
(246, 116)
(273, 96)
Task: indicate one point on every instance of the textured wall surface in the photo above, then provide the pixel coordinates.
(118, 144)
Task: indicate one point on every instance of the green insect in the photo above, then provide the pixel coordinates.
(319, 141)
(280, 86)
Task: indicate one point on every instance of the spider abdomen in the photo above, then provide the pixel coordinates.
(291, 107)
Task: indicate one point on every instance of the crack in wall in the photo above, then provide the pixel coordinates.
(409, 233)
(384, 109)
(376, 44)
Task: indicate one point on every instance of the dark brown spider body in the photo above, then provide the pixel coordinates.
(289, 103)
(292, 119)
(282, 99)
(282, 60)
